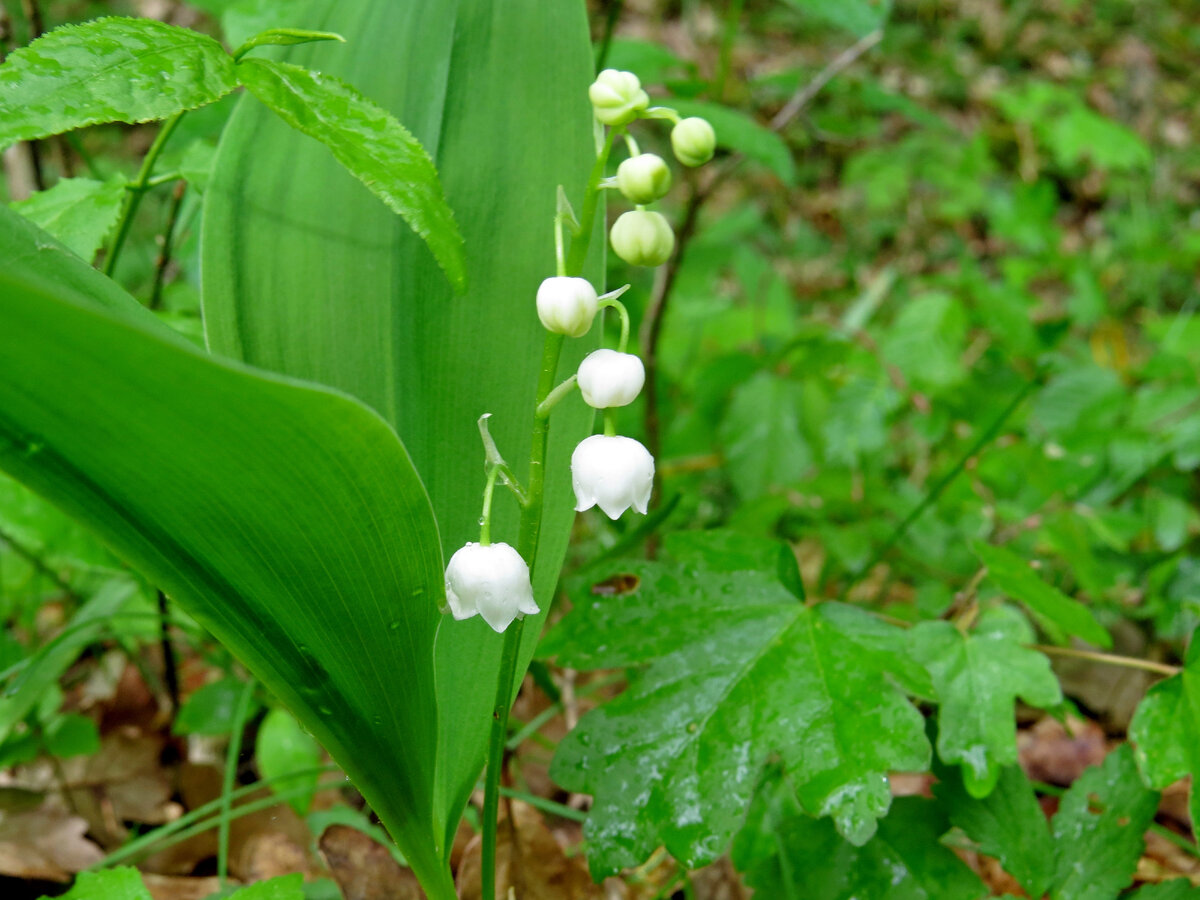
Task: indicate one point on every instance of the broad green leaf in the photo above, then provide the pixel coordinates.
(370, 143)
(977, 678)
(210, 709)
(807, 859)
(354, 299)
(1013, 575)
(1175, 889)
(72, 735)
(1008, 824)
(1099, 828)
(737, 131)
(285, 518)
(112, 884)
(740, 671)
(1165, 730)
(47, 665)
(108, 70)
(764, 447)
(926, 341)
(859, 17)
(282, 746)
(80, 212)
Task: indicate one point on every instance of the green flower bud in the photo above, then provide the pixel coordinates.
(644, 179)
(617, 97)
(642, 238)
(693, 141)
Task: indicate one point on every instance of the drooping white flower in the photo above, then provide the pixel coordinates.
(613, 473)
(608, 378)
(693, 141)
(617, 97)
(642, 237)
(492, 582)
(644, 178)
(567, 305)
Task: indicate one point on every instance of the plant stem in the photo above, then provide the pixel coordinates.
(170, 669)
(133, 197)
(989, 434)
(610, 26)
(1110, 659)
(40, 565)
(168, 242)
(240, 713)
(530, 530)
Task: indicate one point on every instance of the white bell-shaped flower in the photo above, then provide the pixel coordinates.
(492, 582)
(567, 305)
(608, 378)
(617, 97)
(644, 179)
(613, 473)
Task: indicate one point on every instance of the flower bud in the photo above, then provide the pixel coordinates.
(492, 582)
(608, 378)
(617, 97)
(567, 305)
(642, 238)
(613, 473)
(644, 179)
(693, 141)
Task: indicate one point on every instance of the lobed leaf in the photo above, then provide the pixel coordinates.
(739, 672)
(80, 212)
(1099, 829)
(1013, 575)
(1008, 824)
(1165, 730)
(800, 858)
(109, 70)
(977, 678)
(370, 143)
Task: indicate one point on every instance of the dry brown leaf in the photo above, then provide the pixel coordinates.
(1049, 752)
(47, 843)
(365, 869)
(530, 860)
(174, 887)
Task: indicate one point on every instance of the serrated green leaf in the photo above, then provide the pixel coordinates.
(977, 677)
(808, 860)
(111, 884)
(1008, 824)
(108, 70)
(285, 518)
(1099, 829)
(355, 300)
(1175, 889)
(737, 131)
(764, 447)
(370, 143)
(281, 747)
(739, 671)
(80, 212)
(1013, 575)
(1165, 730)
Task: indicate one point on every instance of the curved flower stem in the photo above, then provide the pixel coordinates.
(556, 395)
(485, 517)
(624, 314)
(530, 530)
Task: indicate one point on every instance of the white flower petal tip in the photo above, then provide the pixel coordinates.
(492, 582)
(608, 378)
(612, 472)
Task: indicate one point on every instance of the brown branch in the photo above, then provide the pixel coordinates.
(1110, 659)
(168, 239)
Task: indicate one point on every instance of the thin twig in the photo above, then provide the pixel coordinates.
(170, 668)
(168, 240)
(838, 64)
(34, 14)
(1109, 659)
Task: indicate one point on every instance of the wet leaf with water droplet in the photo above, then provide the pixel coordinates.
(977, 677)
(788, 855)
(739, 672)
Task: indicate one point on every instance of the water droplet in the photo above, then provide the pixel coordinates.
(482, 521)
(325, 710)
(395, 626)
